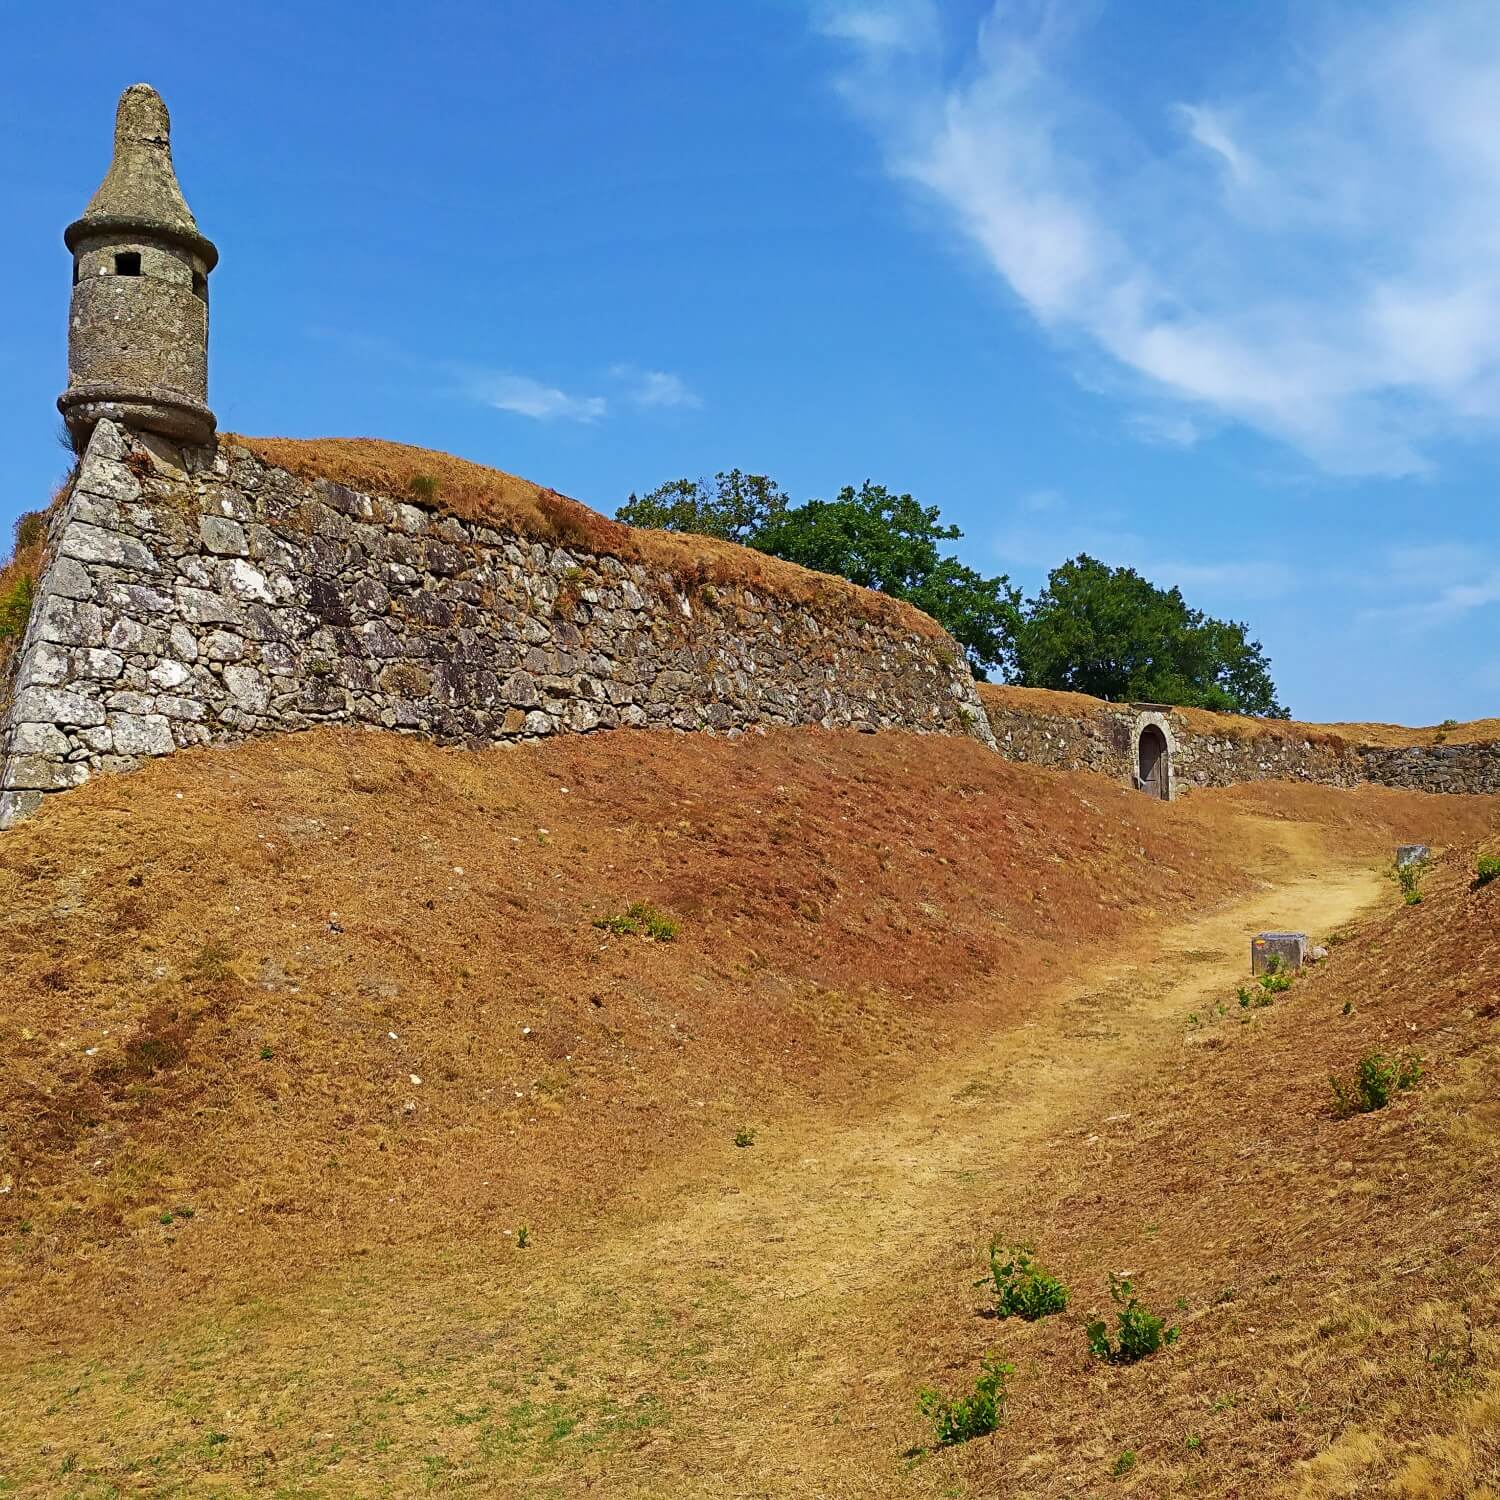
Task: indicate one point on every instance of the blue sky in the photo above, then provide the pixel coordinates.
(1213, 291)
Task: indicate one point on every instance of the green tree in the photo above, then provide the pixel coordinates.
(1110, 632)
(890, 542)
(733, 506)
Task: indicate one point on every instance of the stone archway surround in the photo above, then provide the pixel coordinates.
(1156, 718)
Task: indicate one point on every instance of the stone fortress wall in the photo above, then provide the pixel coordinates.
(198, 597)
(1071, 732)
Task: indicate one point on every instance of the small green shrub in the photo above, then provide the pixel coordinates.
(642, 919)
(1123, 1464)
(1409, 878)
(1488, 869)
(966, 1417)
(1024, 1288)
(1274, 981)
(1375, 1080)
(422, 487)
(30, 529)
(15, 608)
(744, 1138)
(1139, 1332)
(569, 591)
(523, 1238)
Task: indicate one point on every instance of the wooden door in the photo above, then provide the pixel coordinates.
(1153, 754)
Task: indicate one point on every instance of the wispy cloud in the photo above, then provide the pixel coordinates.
(1170, 429)
(630, 386)
(657, 390)
(1449, 580)
(1038, 501)
(1451, 602)
(895, 26)
(1044, 530)
(533, 398)
(1318, 259)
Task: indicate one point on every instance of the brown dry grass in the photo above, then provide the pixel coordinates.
(1241, 726)
(473, 492)
(824, 908)
(892, 962)
(1340, 1279)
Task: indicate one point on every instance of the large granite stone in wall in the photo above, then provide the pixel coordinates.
(197, 598)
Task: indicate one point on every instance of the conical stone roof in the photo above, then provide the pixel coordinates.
(140, 191)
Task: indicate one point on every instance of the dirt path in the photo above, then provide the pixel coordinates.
(730, 1334)
(807, 1240)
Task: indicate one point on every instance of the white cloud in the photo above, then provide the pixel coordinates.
(646, 390)
(1171, 429)
(1451, 602)
(531, 398)
(1211, 131)
(891, 26)
(1318, 259)
(1452, 580)
(1042, 500)
(655, 389)
(1040, 547)
(1424, 564)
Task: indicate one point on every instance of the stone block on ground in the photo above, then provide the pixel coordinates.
(1412, 854)
(1289, 947)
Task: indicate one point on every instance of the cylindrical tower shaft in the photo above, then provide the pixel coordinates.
(138, 324)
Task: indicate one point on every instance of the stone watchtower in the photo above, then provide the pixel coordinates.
(138, 326)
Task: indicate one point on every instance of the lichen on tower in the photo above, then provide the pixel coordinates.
(138, 322)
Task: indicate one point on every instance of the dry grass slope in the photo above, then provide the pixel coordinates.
(299, 1034)
(1339, 1280)
(306, 897)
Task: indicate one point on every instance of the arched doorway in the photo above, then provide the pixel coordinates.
(1154, 763)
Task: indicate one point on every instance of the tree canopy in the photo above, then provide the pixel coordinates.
(1110, 632)
(890, 542)
(734, 506)
(1092, 629)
